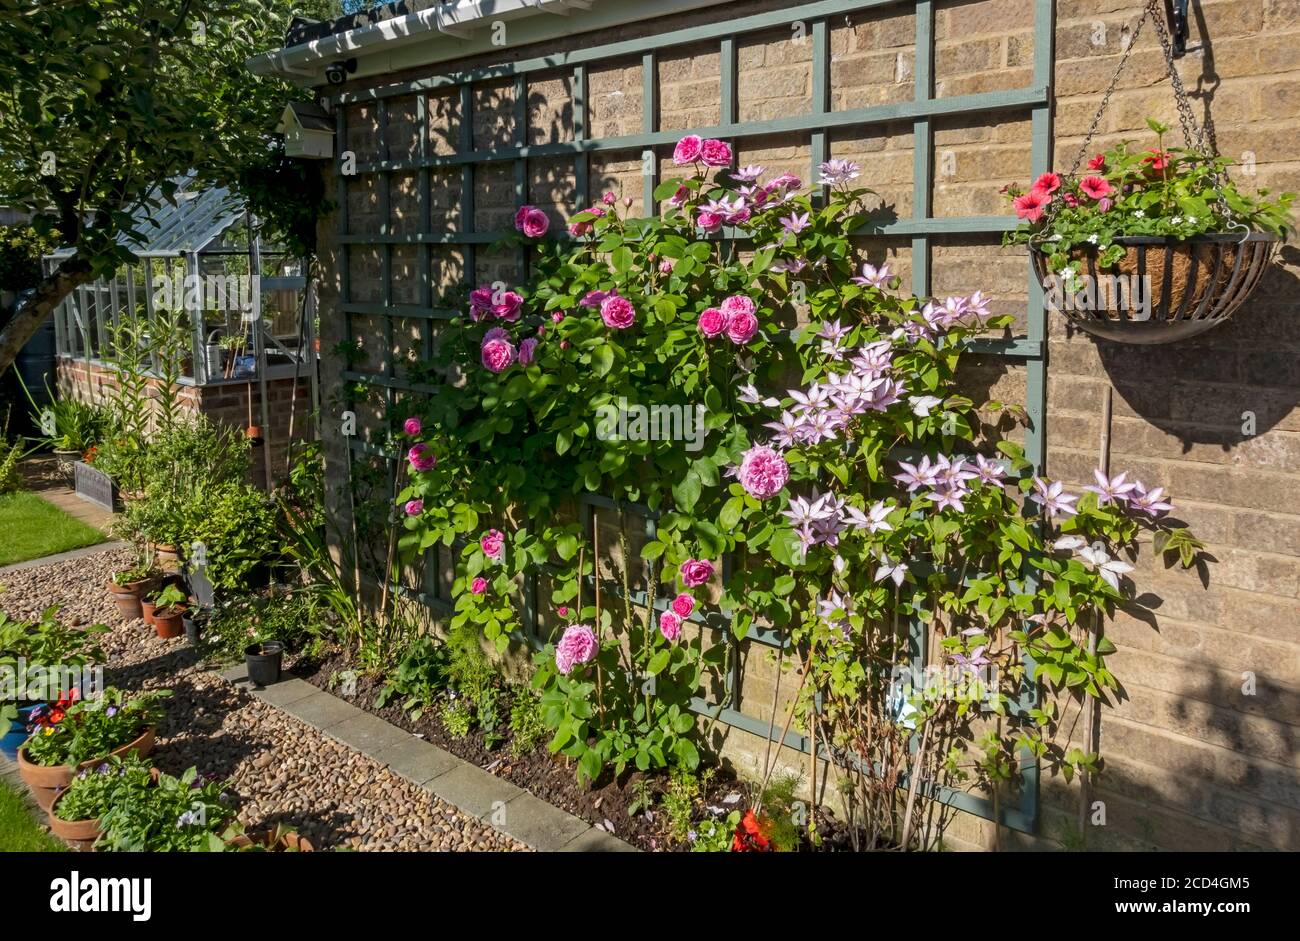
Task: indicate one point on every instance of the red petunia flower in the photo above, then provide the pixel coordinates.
(1157, 160)
(1047, 184)
(1097, 163)
(1095, 186)
(1030, 206)
(751, 836)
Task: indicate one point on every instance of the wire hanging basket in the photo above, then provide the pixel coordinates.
(1165, 289)
(1162, 288)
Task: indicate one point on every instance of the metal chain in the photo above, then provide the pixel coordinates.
(1193, 133)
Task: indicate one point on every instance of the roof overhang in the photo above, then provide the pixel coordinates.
(455, 30)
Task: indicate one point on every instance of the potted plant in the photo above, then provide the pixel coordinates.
(1148, 246)
(170, 605)
(74, 815)
(129, 587)
(77, 733)
(281, 838)
(193, 621)
(263, 660)
(168, 814)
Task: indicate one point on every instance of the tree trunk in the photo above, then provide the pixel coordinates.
(24, 316)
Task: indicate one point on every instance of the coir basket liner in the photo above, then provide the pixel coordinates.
(1194, 284)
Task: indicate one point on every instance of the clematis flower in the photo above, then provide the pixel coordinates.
(895, 571)
(794, 223)
(873, 521)
(1149, 501)
(749, 395)
(1112, 489)
(577, 646)
(1109, 569)
(749, 174)
(1054, 500)
(873, 277)
(922, 405)
(923, 474)
(989, 472)
(838, 172)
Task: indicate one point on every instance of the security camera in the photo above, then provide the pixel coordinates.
(336, 73)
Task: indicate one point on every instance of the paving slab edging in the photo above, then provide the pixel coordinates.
(467, 787)
(95, 549)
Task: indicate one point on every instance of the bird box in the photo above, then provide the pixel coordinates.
(308, 131)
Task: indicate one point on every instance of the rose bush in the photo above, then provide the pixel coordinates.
(855, 490)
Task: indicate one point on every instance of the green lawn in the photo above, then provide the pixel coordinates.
(19, 831)
(31, 528)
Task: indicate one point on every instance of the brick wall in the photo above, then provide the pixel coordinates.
(227, 405)
(1192, 761)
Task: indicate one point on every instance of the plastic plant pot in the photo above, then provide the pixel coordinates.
(263, 662)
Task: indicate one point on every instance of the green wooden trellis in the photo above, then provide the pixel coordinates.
(922, 228)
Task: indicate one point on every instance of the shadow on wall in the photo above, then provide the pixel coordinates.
(1229, 385)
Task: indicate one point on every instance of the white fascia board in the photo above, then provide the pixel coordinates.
(457, 30)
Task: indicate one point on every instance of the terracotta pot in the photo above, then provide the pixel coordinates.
(45, 781)
(290, 841)
(167, 622)
(168, 558)
(147, 608)
(127, 598)
(78, 833)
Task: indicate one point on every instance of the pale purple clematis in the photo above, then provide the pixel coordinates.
(1101, 563)
(1113, 489)
(749, 395)
(789, 429)
(896, 571)
(748, 174)
(1149, 501)
(794, 223)
(989, 472)
(837, 172)
(922, 405)
(873, 520)
(1053, 498)
(873, 277)
(923, 474)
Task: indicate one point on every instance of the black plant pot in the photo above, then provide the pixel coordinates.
(263, 661)
(194, 626)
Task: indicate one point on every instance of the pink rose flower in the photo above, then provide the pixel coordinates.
(497, 352)
(715, 153)
(609, 198)
(480, 302)
(679, 198)
(585, 228)
(684, 604)
(712, 321)
(670, 625)
(411, 426)
(696, 572)
(617, 312)
(563, 610)
(763, 472)
(688, 150)
(738, 304)
(532, 222)
(710, 221)
(414, 507)
(741, 327)
(478, 586)
(666, 266)
(493, 543)
(557, 316)
(527, 351)
(421, 458)
(577, 646)
(507, 305)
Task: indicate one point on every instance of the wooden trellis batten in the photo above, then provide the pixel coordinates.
(1016, 811)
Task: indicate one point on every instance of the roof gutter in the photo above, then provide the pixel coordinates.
(450, 31)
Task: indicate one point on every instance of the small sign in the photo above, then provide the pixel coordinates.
(94, 486)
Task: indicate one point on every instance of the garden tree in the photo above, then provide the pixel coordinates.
(105, 104)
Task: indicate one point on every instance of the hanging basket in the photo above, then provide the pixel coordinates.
(1163, 289)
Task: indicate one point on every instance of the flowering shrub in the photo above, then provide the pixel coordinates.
(1161, 192)
(843, 473)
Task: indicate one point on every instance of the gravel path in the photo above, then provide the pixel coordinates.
(282, 769)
